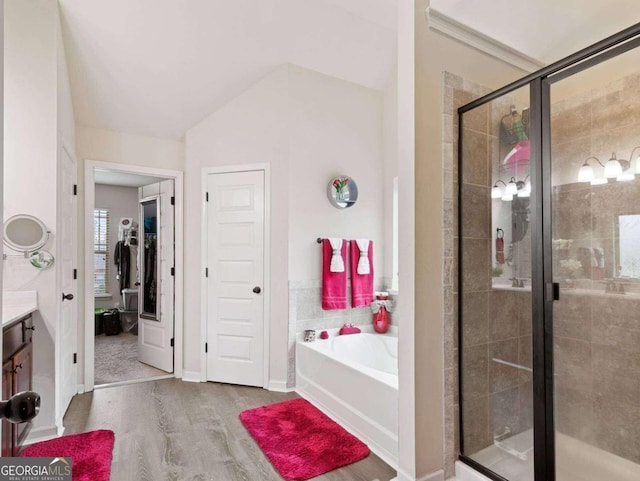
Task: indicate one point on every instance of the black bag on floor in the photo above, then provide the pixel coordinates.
(112, 322)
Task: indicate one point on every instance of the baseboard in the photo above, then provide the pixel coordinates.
(435, 476)
(190, 376)
(279, 386)
(467, 473)
(42, 434)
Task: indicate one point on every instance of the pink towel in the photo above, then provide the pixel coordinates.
(334, 284)
(361, 285)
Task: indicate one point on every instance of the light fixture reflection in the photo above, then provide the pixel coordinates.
(612, 168)
(496, 191)
(586, 173)
(511, 189)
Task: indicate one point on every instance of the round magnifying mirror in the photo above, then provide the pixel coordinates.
(25, 233)
(342, 192)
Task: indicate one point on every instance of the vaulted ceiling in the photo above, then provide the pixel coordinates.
(158, 67)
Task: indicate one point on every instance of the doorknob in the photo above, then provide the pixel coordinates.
(257, 289)
(67, 297)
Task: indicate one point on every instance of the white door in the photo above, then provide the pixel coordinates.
(235, 300)
(155, 331)
(66, 345)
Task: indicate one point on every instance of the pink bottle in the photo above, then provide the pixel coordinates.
(381, 318)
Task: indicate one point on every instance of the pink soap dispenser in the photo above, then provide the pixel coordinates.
(381, 318)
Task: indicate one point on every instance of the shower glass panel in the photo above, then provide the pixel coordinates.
(495, 292)
(595, 189)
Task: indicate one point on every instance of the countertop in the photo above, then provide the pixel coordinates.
(17, 304)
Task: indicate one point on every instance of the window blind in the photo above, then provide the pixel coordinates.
(101, 252)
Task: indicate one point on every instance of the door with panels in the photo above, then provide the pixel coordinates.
(235, 214)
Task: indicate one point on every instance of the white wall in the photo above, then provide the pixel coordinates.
(37, 113)
(308, 127)
(121, 148)
(121, 202)
(389, 171)
(250, 129)
(335, 127)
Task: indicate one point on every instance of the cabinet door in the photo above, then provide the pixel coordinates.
(23, 368)
(7, 390)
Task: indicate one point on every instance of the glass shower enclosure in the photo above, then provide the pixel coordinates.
(549, 271)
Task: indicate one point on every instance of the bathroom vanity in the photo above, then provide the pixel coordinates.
(17, 361)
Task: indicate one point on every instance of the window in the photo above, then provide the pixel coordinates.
(628, 261)
(101, 252)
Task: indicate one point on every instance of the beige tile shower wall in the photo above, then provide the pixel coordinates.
(497, 323)
(597, 335)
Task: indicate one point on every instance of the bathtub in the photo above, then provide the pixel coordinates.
(354, 380)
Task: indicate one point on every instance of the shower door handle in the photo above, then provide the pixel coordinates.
(553, 291)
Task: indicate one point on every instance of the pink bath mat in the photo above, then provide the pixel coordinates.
(300, 441)
(90, 453)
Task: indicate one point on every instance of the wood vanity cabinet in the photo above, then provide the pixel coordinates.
(17, 376)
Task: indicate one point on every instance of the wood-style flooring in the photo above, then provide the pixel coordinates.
(174, 430)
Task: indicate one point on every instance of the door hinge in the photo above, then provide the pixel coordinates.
(173, 201)
(172, 342)
(207, 196)
(75, 189)
(75, 274)
(75, 358)
(206, 347)
(206, 272)
(173, 271)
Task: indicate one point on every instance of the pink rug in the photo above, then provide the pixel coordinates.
(90, 452)
(300, 441)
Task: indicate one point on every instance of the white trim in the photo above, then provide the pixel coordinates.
(134, 381)
(445, 24)
(435, 476)
(467, 473)
(90, 167)
(190, 376)
(279, 386)
(265, 167)
(44, 433)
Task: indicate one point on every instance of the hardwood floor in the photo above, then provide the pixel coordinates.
(174, 430)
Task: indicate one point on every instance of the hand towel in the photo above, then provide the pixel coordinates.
(334, 284)
(361, 284)
(363, 262)
(337, 259)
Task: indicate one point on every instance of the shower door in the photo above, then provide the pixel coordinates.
(549, 271)
(594, 129)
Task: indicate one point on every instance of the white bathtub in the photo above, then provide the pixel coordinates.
(354, 380)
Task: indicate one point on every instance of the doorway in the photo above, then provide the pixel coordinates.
(236, 300)
(133, 281)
